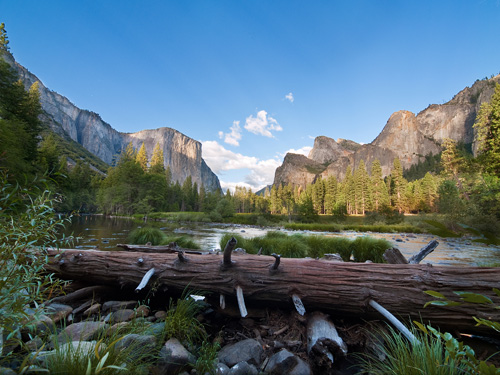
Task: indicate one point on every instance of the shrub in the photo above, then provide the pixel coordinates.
(141, 236)
(28, 226)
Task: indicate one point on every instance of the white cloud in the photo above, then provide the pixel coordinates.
(302, 151)
(289, 97)
(234, 136)
(262, 124)
(220, 160)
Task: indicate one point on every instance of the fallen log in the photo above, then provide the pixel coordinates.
(170, 248)
(337, 288)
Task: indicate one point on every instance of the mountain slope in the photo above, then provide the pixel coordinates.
(182, 154)
(406, 136)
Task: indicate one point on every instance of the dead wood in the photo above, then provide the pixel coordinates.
(338, 288)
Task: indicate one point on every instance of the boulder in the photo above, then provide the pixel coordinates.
(285, 362)
(248, 350)
(174, 358)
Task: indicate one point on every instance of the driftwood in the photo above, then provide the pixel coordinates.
(170, 248)
(337, 288)
(394, 256)
(323, 339)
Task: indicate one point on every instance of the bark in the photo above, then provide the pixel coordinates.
(337, 288)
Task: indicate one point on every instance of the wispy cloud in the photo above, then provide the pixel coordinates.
(302, 151)
(262, 124)
(219, 159)
(289, 97)
(234, 136)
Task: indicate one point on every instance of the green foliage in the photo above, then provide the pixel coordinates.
(206, 362)
(369, 248)
(321, 245)
(430, 355)
(141, 236)
(182, 241)
(182, 324)
(28, 226)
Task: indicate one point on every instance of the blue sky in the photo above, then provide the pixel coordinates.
(254, 79)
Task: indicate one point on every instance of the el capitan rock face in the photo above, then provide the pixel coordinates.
(181, 153)
(406, 136)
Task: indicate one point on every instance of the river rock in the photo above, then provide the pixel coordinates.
(287, 363)
(112, 306)
(139, 345)
(248, 350)
(222, 369)
(124, 315)
(81, 331)
(58, 311)
(174, 357)
(243, 368)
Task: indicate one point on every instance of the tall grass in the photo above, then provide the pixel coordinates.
(155, 236)
(301, 246)
(429, 356)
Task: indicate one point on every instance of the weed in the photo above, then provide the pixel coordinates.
(369, 248)
(147, 234)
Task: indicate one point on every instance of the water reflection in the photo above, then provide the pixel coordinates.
(104, 233)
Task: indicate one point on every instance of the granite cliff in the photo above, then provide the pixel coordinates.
(406, 136)
(181, 153)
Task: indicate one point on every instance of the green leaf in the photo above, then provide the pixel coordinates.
(442, 303)
(474, 297)
(435, 294)
(497, 291)
(421, 327)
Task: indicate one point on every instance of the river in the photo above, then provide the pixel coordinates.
(104, 233)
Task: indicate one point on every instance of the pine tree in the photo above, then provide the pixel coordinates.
(4, 41)
(157, 160)
(379, 189)
(454, 163)
(488, 133)
(330, 194)
(399, 186)
(349, 191)
(142, 158)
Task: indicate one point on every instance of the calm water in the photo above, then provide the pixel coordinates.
(99, 232)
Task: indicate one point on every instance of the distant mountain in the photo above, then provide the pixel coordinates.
(182, 154)
(405, 136)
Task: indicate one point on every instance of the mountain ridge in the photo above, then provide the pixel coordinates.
(181, 153)
(406, 136)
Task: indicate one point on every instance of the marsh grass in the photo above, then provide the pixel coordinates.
(427, 357)
(207, 358)
(141, 236)
(183, 241)
(301, 246)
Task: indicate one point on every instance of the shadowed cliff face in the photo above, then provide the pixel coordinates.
(405, 136)
(182, 154)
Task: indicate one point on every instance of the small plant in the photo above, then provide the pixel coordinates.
(142, 236)
(207, 358)
(181, 322)
(427, 356)
(182, 241)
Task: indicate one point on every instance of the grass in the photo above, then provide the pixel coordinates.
(301, 246)
(155, 236)
(427, 357)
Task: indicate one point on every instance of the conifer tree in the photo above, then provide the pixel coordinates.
(379, 189)
(330, 194)
(488, 133)
(399, 186)
(157, 160)
(142, 157)
(4, 41)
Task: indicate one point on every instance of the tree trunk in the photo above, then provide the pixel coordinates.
(337, 288)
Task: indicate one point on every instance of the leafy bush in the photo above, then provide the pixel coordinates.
(28, 226)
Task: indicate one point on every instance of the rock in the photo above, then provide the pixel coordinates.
(112, 306)
(174, 358)
(58, 311)
(222, 369)
(139, 345)
(155, 329)
(243, 368)
(92, 310)
(285, 362)
(73, 349)
(160, 315)
(124, 315)
(7, 371)
(142, 310)
(333, 257)
(81, 331)
(248, 350)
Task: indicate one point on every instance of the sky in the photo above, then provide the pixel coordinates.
(255, 79)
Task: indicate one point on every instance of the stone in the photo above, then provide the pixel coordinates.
(81, 331)
(124, 315)
(72, 348)
(174, 357)
(285, 362)
(58, 311)
(222, 369)
(112, 306)
(160, 315)
(243, 368)
(139, 345)
(155, 329)
(7, 371)
(248, 350)
(93, 310)
(142, 310)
